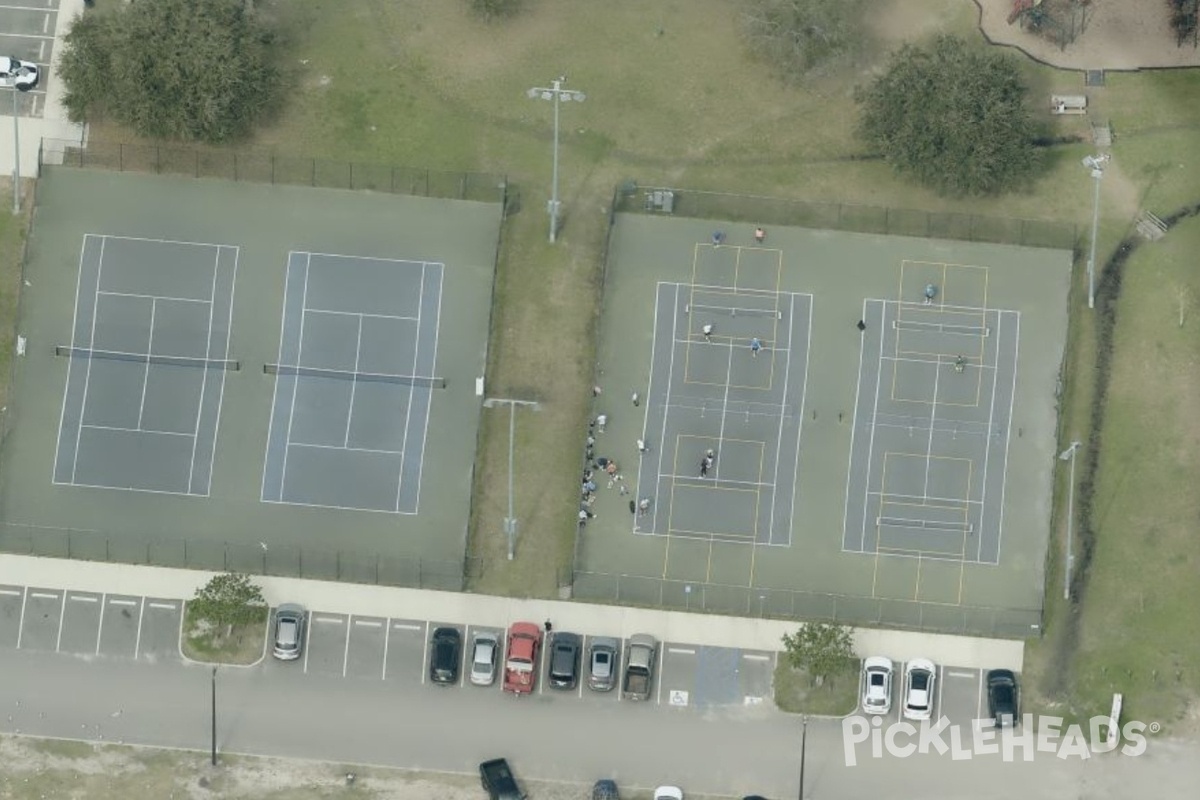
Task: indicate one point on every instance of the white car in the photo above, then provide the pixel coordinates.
(483, 659)
(23, 75)
(877, 685)
(919, 679)
(668, 793)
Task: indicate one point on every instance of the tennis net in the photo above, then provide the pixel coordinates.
(350, 375)
(941, 327)
(728, 311)
(148, 358)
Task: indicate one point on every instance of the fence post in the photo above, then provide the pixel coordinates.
(225, 556)
(272, 169)
(314, 172)
(235, 168)
(120, 157)
(197, 162)
(352, 187)
(377, 554)
(157, 159)
(337, 565)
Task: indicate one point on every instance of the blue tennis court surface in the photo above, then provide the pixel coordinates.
(354, 383)
(148, 358)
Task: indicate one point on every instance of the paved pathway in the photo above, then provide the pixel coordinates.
(619, 621)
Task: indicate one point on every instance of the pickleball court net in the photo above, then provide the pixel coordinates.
(147, 358)
(349, 375)
(729, 311)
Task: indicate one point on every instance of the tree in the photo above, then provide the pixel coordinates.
(953, 117)
(820, 649)
(188, 69)
(798, 37)
(229, 600)
(490, 10)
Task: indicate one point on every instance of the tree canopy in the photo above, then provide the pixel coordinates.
(187, 69)
(819, 648)
(229, 600)
(952, 116)
(798, 37)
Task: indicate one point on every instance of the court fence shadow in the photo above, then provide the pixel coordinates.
(764, 210)
(802, 606)
(267, 166)
(282, 561)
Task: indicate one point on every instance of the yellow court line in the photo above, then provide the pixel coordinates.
(731, 538)
(875, 571)
(753, 555)
(712, 488)
(933, 555)
(670, 507)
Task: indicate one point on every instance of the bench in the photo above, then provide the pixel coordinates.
(1068, 104)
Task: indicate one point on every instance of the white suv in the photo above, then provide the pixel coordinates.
(877, 685)
(919, 679)
(21, 74)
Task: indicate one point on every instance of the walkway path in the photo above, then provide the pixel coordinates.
(346, 598)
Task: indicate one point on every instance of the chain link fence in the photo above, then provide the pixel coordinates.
(760, 210)
(265, 166)
(653, 592)
(284, 561)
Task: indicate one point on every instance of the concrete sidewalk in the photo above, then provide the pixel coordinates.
(592, 619)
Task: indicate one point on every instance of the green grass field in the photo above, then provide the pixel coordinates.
(429, 86)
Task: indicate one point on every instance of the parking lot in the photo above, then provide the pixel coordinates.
(959, 695)
(27, 33)
(354, 648)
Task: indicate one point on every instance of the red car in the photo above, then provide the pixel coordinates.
(520, 667)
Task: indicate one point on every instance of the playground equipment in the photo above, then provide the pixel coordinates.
(1060, 21)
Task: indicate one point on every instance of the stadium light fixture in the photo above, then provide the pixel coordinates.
(510, 522)
(557, 94)
(1096, 165)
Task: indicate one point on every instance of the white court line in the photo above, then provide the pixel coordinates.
(405, 626)
(684, 651)
(987, 444)
(713, 481)
(159, 241)
(373, 258)
(348, 449)
(336, 507)
(137, 642)
(146, 372)
(70, 365)
(937, 375)
(898, 496)
(666, 406)
(237, 254)
(725, 290)
(45, 595)
(353, 383)
(108, 293)
(1008, 433)
(862, 542)
(929, 361)
(800, 424)
(126, 489)
(87, 375)
(163, 606)
(287, 277)
(437, 331)
(296, 382)
(765, 349)
(212, 297)
(131, 430)
(411, 389)
(21, 623)
(361, 314)
(779, 440)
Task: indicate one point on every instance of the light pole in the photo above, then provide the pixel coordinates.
(1068, 561)
(555, 93)
(803, 751)
(214, 716)
(1096, 165)
(510, 522)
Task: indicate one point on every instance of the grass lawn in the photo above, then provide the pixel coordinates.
(245, 644)
(12, 244)
(796, 692)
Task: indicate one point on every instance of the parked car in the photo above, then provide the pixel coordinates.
(520, 674)
(484, 649)
(639, 672)
(604, 658)
(668, 793)
(877, 685)
(23, 75)
(1003, 698)
(445, 653)
(290, 624)
(498, 781)
(919, 680)
(605, 790)
(565, 649)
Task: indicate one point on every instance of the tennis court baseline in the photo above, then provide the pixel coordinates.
(354, 383)
(148, 358)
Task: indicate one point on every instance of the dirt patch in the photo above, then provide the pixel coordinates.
(1117, 35)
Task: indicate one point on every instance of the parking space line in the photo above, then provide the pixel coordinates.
(404, 626)
(44, 595)
(424, 653)
(903, 691)
(685, 651)
(755, 657)
(662, 656)
(346, 653)
(308, 645)
(941, 688)
(977, 714)
(164, 606)
(62, 612)
(583, 664)
(137, 645)
(12, 592)
(116, 601)
(957, 674)
(370, 623)
(387, 635)
(21, 624)
(100, 627)
(333, 620)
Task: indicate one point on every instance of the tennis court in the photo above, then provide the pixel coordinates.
(148, 355)
(885, 457)
(354, 382)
